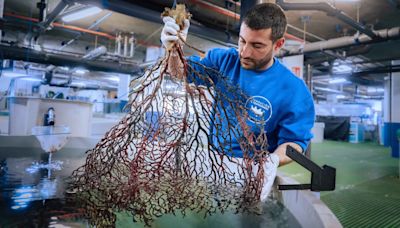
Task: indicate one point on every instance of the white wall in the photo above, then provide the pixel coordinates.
(97, 97)
(27, 112)
(295, 64)
(4, 83)
(391, 108)
(331, 109)
(395, 95)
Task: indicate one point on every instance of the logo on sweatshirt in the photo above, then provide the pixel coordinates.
(259, 109)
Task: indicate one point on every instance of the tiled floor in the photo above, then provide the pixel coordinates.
(367, 183)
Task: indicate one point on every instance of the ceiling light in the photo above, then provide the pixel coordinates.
(375, 90)
(340, 96)
(81, 14)
(32, 79)
(64, 68)
(81, 71)
(337, 80)
(342, 68)
(78, 84)
(12, 74)
(115, 79)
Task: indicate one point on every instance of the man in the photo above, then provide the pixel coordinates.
(282, 98)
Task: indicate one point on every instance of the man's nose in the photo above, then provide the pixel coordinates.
(246, 51)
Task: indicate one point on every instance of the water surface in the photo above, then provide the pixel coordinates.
(33, 195)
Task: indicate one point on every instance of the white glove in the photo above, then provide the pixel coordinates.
(270, 168)
(169, 34)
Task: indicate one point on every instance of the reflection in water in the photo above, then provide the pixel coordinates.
(32, 187)
(22, 196)
(50, 165)
(45, 189)
(32, 194)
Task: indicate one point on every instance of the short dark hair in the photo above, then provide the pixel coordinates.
(267, 15)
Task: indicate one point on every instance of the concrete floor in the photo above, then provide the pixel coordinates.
(367, 190)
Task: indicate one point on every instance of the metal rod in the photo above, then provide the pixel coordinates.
(62, 5)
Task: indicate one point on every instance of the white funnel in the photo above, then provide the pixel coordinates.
(51, 138)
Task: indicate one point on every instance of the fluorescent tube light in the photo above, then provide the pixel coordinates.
(115, 79)
(81, 14)
(12, 74)
(375, 90)
(78, 84)
(342, 68)
(81, 71)
(64, 68)
(337, 80)
(32, 79)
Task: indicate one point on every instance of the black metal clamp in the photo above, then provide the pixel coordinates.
(322, 179)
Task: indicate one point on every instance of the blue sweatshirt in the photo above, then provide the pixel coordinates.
(275, 97)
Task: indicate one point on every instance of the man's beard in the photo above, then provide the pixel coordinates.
(252, 64)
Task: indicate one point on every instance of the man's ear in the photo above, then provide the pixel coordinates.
(279, 44)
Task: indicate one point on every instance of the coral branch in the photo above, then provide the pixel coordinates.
(173, 149)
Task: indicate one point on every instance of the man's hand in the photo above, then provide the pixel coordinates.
(270, 168)
(281, 152)
(169, 34)
(278, 157)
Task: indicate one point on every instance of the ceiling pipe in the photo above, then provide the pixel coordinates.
(59, 25)
(62, 5)
(75, 28)
(346, 41)
(95, 53)
(330, 10)
(135, 10)
(356, 51)
(287, 35)
(30, 55)
(244, 7)
(369, 72)
(305, 32)
(67, 77)
(217, 9)
(92, 26)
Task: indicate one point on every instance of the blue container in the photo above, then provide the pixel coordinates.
(356, 134)
(391, 138)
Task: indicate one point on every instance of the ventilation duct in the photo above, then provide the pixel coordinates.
(346, 41)
(330, 10)
(95, 53)
(30, 55)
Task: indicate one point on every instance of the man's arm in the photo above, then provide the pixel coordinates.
(295, 128)
(270, 167)
(281, 152)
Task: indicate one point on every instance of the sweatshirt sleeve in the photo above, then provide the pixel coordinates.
(297, 123)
